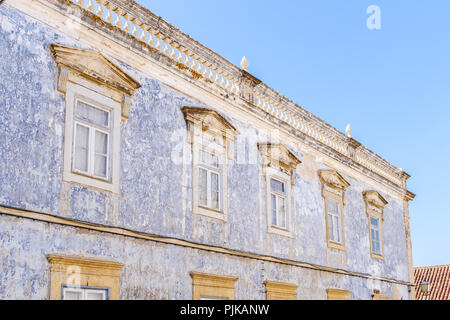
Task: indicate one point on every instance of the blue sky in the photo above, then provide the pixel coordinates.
(392, 85)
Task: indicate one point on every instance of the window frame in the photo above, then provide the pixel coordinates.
(338, 294)
(216, 147)
(75, 93)
(272, 173)
(212, 287)
(84, 290)
(374, 205)
(333, 189)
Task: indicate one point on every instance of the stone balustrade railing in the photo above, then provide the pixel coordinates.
(220, 75)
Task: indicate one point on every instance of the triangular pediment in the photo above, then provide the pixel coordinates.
(279, 153)
(374, 198)
(94, 66)
(210, 120)
(333, 179)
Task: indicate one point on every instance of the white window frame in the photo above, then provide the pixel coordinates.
(338, 197)
(77, 92)
(219, 150)
(84, 290)
(336, 230)
(272, 173)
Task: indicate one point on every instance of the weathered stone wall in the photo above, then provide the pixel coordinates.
(156, 195)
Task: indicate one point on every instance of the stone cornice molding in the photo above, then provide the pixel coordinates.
(333, 179)
(375, 199)
(94, 67)
(279, 154)
(209, 280)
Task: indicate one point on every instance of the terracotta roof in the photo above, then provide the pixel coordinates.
(439, 279)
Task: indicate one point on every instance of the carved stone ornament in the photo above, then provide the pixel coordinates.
(278, 154)
(375, 199)
(210, 120)
(333, 179)
(95, 67)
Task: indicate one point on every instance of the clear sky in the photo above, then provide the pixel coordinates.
(392, 85)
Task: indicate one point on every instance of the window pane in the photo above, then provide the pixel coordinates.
(337, 227)
(214, 190)
(81, 148)
(274, 209)
(209, 159)
(94, 295)
(101, 142)
(100, 165)
(281, 212)
(330, 227)
(92, 114)
(72, 295)
(202, 186)
(277, 186)
(333, 206)
(374, 222)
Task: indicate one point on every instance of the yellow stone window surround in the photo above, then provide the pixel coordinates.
(338, 294)
(83, 272)
(333, 189)
(375, 204)
(280, 291)
(207, 286)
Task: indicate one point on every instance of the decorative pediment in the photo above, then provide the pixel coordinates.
(333, 179)
(210, 120)
(94, 66)
(278, 153)
(375, 199)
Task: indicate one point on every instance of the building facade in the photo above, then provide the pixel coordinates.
(138, 164)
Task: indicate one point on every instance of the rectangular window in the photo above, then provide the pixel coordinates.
(92, 131)
(278, 203)
(334, 222)
(375, 235)
(209, 176)
(84, 293)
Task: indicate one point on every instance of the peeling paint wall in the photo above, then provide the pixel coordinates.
(156, 195)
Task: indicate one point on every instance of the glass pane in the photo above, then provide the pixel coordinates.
(374, 222)
(72, 295)
(81, 148)
(214, 190)
(101, 142)
(100, 165)
(94, 295)
(202, 186)
(277, 186)
(209, 159)
(274, 209)
(281, 212)
(92, 114)
(330, 227)
(333, 206)
(337, 229)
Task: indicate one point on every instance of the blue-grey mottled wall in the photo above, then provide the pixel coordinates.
(156, 195)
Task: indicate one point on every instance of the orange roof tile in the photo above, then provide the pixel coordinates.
(439, 279)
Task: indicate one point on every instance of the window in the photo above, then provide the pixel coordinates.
(76, 278)
(278, 203)
(211, 137)
(209, 181)
(92, 133)
(334, 221)
(280, 291)
(278, 165)
(375, 235)
(333, 193)
(375, 204)
(212, 287)
(94, 109)
(84, 293)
